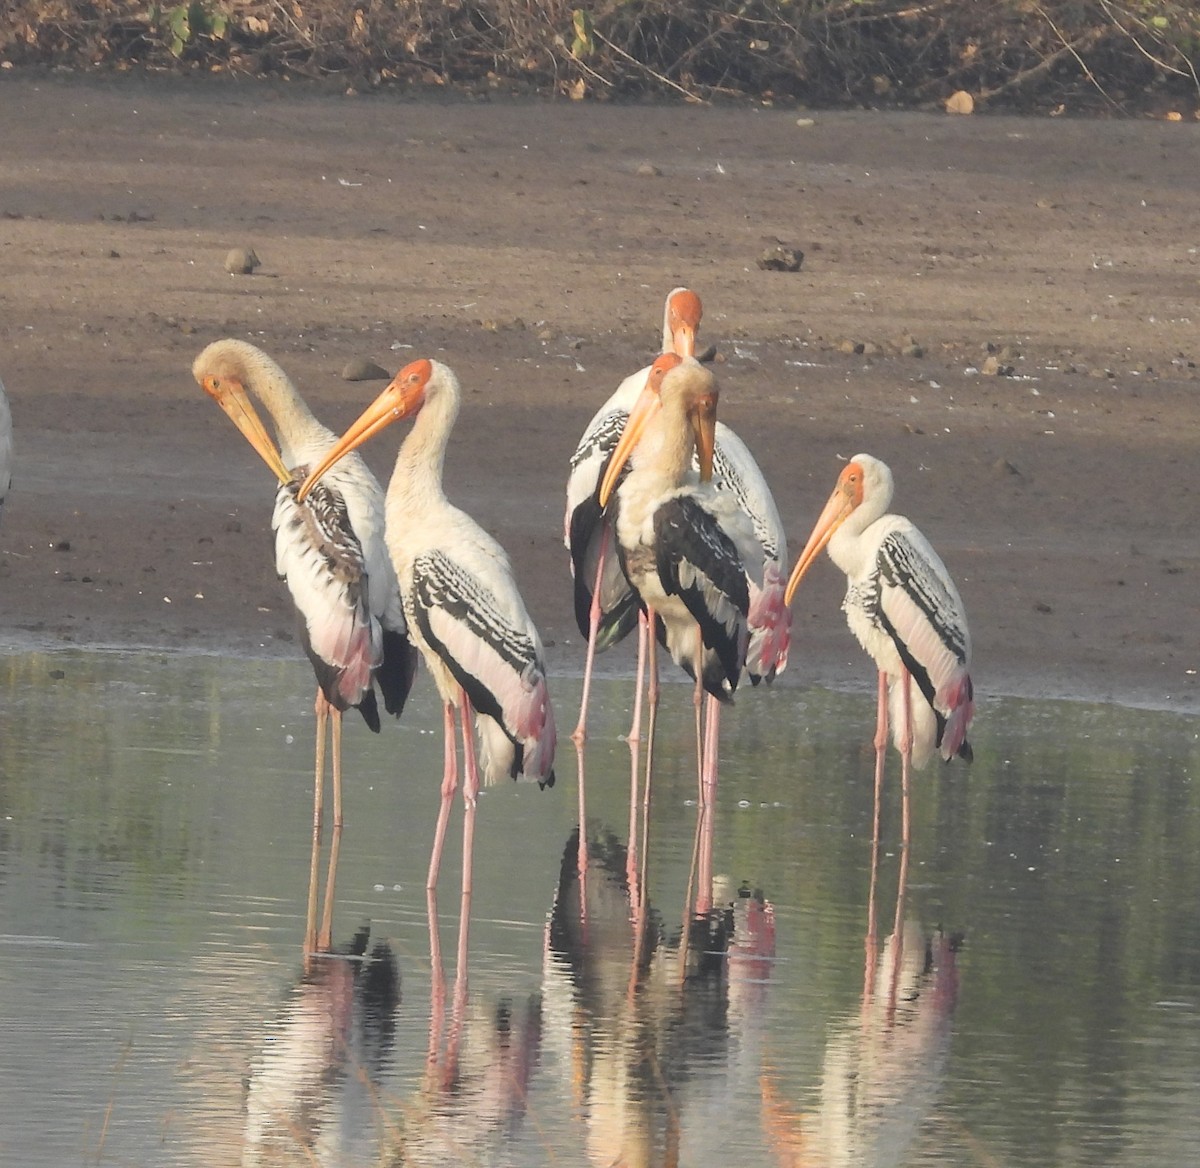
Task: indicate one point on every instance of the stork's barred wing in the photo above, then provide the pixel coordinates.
(735, 471)
(920, 609)
(496, 660)
(585, 531)
(600, 439)
(698, 562)
(321, 559)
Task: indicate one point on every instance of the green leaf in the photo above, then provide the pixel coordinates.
(583, 45)
(179, 25)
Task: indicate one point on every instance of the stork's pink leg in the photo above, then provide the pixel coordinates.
(470, 799)
(881, 742)
(712, 738)
(437, 978)
(708, 806)
(449, 786)
(634, 740)
(704, 860)
(635, 729)
(579, 735)
(321, 708)
(906, 745)
(881, 736)
(652, 695)
(632, 869)
(325, 937)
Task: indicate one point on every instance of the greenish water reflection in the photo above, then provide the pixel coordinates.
(153, 869)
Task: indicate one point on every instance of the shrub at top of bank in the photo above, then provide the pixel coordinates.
(1106, 53)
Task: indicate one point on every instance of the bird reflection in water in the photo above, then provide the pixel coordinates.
(883, 1065)
(475, 1089)
(312, 1092)
(642, 1024)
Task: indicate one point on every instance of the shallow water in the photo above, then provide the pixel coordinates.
(1042, 1006)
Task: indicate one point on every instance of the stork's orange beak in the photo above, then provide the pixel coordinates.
(231, 396)
(833, 515)
(704, 427)
(398, 400)
(644, 410)
(684, 337)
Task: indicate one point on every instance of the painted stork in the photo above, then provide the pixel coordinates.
(606, 608)
(463, 608)
(5, 448)
(332, 555)
(904, 609)
(687, 548)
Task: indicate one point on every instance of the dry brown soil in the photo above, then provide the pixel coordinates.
(529, 245)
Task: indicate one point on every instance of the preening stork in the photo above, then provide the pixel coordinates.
(606, 608)
(5, 448)
(907, 614)
(330, 552)
(687, 548)
(464, 611)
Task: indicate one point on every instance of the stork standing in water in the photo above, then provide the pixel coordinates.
(606, 607)
(331, 553)
(904, 609)
(686, 547)
(464, 611)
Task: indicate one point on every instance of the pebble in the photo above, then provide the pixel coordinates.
(241, 261)
(362, 369)
(781, 259)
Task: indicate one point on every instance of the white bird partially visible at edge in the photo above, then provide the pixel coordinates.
(907, 614)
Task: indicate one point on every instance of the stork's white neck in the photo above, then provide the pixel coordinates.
(663, 457)
(417, 479)
(296, 428)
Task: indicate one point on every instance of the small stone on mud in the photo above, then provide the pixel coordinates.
(361, 369)
(241, 261)
(781, 259)
(649, 170)
(1004, 467)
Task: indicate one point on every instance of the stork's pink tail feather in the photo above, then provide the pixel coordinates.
(770, 622)
(959, 699)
